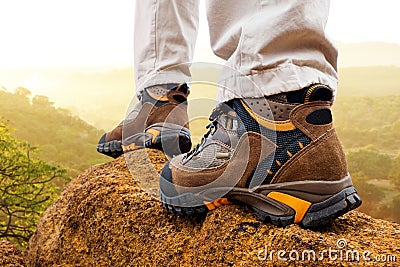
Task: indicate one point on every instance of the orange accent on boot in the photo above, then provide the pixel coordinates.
(301, 145)
(130, 147)
(217, 203)
(228, 123)
(322, 160)
(299, 205)
(311, 90)
(179, 87)
(270, 124)
(153, 132)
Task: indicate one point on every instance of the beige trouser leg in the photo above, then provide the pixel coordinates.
(271, 46)
(165, 37)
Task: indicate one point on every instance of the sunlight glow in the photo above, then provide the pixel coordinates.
(100, 32)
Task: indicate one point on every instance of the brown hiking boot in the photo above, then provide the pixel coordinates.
(279, 155)
(158, 121)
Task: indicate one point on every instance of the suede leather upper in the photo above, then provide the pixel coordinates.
(322, 159)
(174, 110)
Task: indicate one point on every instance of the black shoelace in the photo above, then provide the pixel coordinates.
(221, 109)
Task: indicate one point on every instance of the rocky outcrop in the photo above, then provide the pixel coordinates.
(10, 255)
(103, 218)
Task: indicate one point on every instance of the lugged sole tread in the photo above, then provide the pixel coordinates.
(319, 214)
(114, 148)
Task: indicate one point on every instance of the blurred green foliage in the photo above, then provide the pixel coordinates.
(27, 188)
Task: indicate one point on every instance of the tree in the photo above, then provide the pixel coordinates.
(22, 91)
(41, 100)
(370, 194)
(396, 208)
(370, 162)
(26, 188)
(395, 172)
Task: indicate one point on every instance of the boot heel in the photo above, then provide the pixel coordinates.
(325, 212)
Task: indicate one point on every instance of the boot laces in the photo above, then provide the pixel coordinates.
(220, 110)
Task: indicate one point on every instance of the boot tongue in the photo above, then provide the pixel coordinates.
(315, 92)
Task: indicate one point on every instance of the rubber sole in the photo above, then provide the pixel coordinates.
(278, 204)
(171, 143)
(171, 139)
(112, 149)
(318, 214)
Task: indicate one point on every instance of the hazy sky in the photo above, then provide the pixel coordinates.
(100, 32)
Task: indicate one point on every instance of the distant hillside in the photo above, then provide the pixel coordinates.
(99, 96)
(369, 128)
(62, 138)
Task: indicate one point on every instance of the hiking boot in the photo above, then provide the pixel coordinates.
(279, 155)
(158, 121)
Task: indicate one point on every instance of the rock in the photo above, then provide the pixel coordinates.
(103, 218)
(10, 255)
